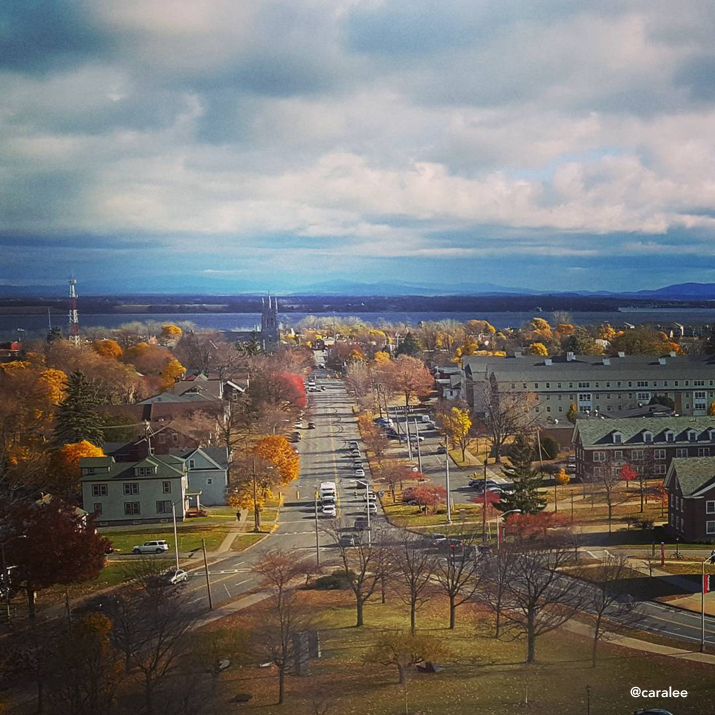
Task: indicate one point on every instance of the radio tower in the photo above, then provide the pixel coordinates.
(74, 314)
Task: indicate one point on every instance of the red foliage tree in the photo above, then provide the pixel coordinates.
(535, 527)
(628, 473)
(427, 496)
(489, 497)
(60, 546)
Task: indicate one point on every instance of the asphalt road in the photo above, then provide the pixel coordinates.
(324, 457)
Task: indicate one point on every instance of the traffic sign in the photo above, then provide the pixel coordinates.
(707, 583)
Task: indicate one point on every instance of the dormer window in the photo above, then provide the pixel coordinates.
(692, 435)
(144, 471)
(647, 436)
(617, 438)
(670, 436)
(711, 435)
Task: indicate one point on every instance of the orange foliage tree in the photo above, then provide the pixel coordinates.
(276, 450)
(409, 376)
(171, 372)
(107, 348)
(65, 466)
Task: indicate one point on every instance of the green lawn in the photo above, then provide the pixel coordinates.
(482, 675)
(190, 535)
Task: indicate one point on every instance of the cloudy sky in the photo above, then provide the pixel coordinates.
(224, 145)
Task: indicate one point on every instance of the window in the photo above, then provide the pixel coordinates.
(670, 436)
(144, 472)
(98, 508)
(558, 384)
(710, 527)
(617, 438)
(608, 384)
(676, 383)
(163, 507)
(536, 385)
(131, 488)
(701, 395)
(681, 452)
(703, 451)
(175, 438)
(209, 481)
(647, 436)
(192, 463)
(640, 383)
(90, 470)
(643, 396)
(584, 384)
(687, 383)
(513, 385)
(619, 384)
(548, 385)
(692, 435)
(599, 456)
(637, 454)
(630, 384)
(99, 490)
(698, 383)
(131, 507)
(659, 454)
(166, 487)
(710, 507)
(660, 468)
(618, 455)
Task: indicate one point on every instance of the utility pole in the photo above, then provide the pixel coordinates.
(446, 476)
(206, 569)
(317, 536)
(176, 536)
(484, 505)
(419, 449)
(407, 435)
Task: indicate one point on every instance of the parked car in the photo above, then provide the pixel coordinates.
(441, 449)
(193, 512)
(436, 538)
(480, 484)
(359, 472)
(369, 495)
(311, 383)
(353, 445)
(151, 547)
(361, 523)
(176, 576)
(371, 506)
(329, 509)
(347, 540)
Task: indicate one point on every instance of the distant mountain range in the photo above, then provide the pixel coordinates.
(678, 291)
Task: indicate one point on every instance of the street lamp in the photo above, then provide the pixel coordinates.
(703, 591)
(501, 516)
(6, 574)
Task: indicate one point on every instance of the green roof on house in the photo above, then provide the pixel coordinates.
(693, 473)
(166, 466)
(595, 431)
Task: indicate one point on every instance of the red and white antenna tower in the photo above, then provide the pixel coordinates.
(73, 314)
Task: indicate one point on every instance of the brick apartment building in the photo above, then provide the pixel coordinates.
(691, 498)
(648, 444)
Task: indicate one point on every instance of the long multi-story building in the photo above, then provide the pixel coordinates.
(595, 384)
(649, 445)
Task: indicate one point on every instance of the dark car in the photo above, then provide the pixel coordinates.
(311, 425)
(441, 449)
(360, 523)
(347, 540)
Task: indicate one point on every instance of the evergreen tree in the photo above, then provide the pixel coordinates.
(409, 346)
(77, 419)
(53, 335)
(527, 481)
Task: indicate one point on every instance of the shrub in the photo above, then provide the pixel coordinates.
(332, 582)
(549, 448)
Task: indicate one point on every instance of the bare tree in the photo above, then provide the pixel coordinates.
(412, 569)
(606, 602)
(362, 565)
(284, 619)
(505, 414)
(497, 572)
(539, 598)
(607, 477)
(458, 573)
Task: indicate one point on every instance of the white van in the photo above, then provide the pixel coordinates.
(327, 489)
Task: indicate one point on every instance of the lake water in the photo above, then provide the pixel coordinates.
(36, 324)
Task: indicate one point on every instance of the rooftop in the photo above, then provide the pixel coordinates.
(693, 473)
(594, 432)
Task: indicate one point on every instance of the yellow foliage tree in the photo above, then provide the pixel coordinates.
(172, 371)
(171, 331)
(382, 358)
(542, 327)
(52, 382)
(564, 329)
(562, 478)
(65, 466)
(107, 348)
(606, 332)
(457, 424)
(276, 450)
(711, 409)
(538, 349)
(136, 351)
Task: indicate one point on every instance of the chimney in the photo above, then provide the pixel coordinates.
(548, 361)
(673, 353)
(606, 361)
(570, 357)
(518, 354)
(661, 361)
(621, 354)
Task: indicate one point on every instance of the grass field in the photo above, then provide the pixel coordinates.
(189, 533)
(482, 675)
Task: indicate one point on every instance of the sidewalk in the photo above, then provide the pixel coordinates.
(235, 530)
(643, 646)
